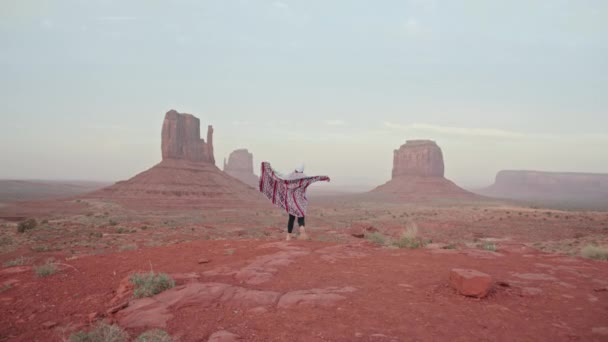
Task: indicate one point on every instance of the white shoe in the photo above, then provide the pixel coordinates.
(303, 235)
(288, 238)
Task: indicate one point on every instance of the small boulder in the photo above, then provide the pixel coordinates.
(49, 325)
(358, 235)
(224, 336)
(470, 283)
(204, 261)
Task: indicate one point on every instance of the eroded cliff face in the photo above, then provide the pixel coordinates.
(418, 158)
(240, 166)
(181, 139)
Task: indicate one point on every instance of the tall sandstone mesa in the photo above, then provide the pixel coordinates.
(181, 139)
(418, 174)
(418, 158)
(240, 166)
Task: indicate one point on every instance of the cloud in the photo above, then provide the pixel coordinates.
(116, 18)
(334, 122)
(463, 131)
(280, 4)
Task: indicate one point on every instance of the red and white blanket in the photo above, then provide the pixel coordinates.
(284, 193)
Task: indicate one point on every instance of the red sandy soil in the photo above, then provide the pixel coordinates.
(334, 288)
(378, 294)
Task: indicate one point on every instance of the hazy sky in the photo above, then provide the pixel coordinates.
(521, 84)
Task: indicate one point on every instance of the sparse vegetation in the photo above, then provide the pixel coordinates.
(489, 246)
(155, 335)
(376, 238)
(46, 270)
(41, 249)
(26, 225)
(129, 247)
(5, 287)
(450, 246)
(150, 284)
(112, 223)
(102, 333)
(410, 238)
(20, 261)
(595, 252)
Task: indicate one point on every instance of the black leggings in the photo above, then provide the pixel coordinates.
(292, 220)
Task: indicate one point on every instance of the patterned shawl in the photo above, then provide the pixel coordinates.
(286, 194)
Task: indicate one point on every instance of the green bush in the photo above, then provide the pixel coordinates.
(155, 335)
(101, 333)
(27, 225)
(150, 284)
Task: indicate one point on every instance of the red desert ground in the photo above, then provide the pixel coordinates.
(187, 252)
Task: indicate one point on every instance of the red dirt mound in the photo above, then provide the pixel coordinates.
(180, 183)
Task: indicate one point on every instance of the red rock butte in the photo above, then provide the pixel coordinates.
(418, 173)
(186, 176)
(240, 166)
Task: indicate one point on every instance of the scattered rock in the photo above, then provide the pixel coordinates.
(124, 289)
(204, 261)
(358, 235)
(117, 308)
(601, 289)
(224, 336)
(470, 283)
(94, 316)
(49, 325)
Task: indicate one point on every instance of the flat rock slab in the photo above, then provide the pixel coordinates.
(315, 297)
(155, 312)
(263, 268)
(470, 283)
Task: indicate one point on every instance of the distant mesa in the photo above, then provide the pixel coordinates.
(418, 173)
(186, 176)
(240, 166)
(574, 189)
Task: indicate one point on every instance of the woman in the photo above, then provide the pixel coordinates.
(289, 193)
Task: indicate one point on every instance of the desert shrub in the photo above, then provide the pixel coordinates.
(20, 261)
(155, 335)
(41, 249)
(101, 333)
(150, 284)
(376, 238)
(112, 223)
(5, 287)
(27, 225)
(489, 246)
(595, 252)
(46, 270)
(409, 238)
